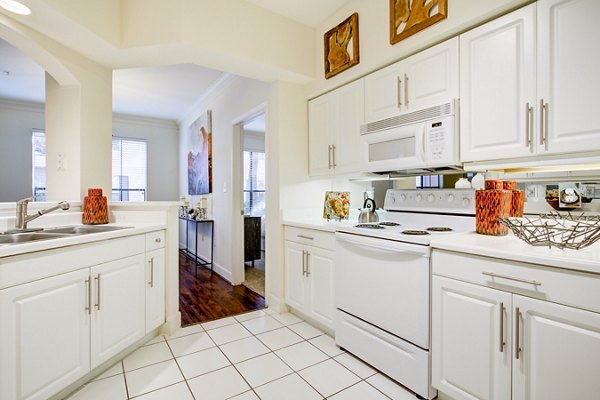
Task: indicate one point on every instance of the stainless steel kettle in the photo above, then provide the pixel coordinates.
(368, 213)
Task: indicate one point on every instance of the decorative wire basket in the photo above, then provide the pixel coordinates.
(555, 230)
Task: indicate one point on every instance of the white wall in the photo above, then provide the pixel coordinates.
(162, 139)
(17, 119)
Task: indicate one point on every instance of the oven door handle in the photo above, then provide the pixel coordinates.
(381, 244)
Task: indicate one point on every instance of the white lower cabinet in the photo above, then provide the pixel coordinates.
(500, 344)
(309, 274)
(118, 313)
(155, 289)
(59, 325)
(45, 340)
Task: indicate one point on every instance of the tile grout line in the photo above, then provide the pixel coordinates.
(181, 371)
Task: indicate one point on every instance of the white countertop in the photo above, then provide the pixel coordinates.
(7, 250)
(318, 224)
(511, 248)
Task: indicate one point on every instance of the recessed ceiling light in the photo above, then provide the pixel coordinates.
(15, 7)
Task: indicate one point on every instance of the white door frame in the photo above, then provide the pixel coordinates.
(237, 170)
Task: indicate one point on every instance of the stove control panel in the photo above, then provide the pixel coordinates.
(443, 201)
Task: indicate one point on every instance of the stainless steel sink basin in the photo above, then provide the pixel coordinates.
(84, 229)
(14, 238)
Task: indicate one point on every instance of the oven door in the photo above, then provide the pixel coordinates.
(385, 283)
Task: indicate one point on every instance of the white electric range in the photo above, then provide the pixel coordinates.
(382, 281)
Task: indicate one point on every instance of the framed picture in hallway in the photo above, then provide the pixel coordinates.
(199, 157)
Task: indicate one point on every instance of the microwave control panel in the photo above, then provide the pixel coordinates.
(440, 142)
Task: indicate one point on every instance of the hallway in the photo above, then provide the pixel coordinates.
(209, 296)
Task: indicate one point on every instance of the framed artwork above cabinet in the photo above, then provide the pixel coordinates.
(341, 46)
(408, 17)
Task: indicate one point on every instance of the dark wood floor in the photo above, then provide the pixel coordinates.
(209, 296)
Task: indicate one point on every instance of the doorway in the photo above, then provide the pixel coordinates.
(253, 189)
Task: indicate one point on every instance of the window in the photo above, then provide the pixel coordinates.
(429, 182)
(254, 183)
(128, 169)
(39, 164)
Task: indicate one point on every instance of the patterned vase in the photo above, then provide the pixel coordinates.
(490, 204)
(95, 208)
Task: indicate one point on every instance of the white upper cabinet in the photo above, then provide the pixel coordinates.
(334, 120)
(497, 88)
(568, 67)
(528, 82)
(425, 79)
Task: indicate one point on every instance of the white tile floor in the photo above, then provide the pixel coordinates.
(254, 356)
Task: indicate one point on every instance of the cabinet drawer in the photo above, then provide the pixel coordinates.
(572, 288)
(311, 237)
(155, 240)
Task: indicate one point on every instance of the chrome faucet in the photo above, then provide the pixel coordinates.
(22, 217)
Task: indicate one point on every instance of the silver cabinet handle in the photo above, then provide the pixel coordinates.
(543, 123)
(502, 342)
(307, 268)
(406, 90)
(333, 151)
(303, 263)
(329, 156)
(157, 240)
(510, 278)
(398, 91)
(528, 125)
(151, 283)
(517, 329)
(306, 237)
(88, 288)
(97, 279)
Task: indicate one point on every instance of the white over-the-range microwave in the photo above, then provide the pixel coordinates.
(427, 138)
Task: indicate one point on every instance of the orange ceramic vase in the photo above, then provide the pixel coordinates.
(95, 208)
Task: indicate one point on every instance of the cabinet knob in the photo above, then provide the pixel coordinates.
(157, 240)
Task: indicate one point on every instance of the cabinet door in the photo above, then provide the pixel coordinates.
(295, 280)
(431, 76)
(119, 313)
(560, 348)
(320, 271)
(383, 91)
(44, 336)
(468, 323)
(321, 112)
(497, 85)
(155, 289)
(568, 65)
(350, 150)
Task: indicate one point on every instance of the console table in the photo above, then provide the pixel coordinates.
(186, 251)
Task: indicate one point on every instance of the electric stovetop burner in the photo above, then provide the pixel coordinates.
(415, 232)
(369, 226)
(439, 229)
(389, 223)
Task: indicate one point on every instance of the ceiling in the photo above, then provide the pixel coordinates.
(307, 12)
(164, 92)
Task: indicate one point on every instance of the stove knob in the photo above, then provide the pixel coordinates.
(450, 198)
(466, 201)
(430, 198)
(402, 197)
(393, 199)
(419, 197)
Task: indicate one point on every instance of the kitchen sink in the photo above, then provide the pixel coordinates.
(15, 238)
(85, 229)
